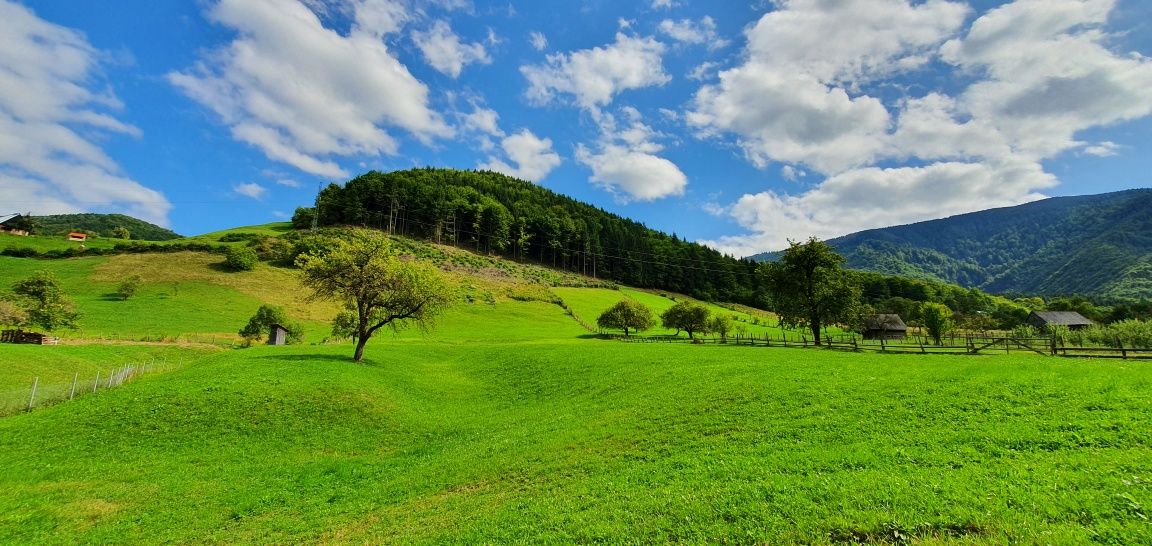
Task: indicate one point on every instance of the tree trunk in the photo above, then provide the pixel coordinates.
(815, 331)
(360, 343)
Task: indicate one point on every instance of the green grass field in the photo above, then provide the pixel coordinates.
(511, 423)
(589, 441)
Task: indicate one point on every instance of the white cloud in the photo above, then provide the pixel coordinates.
(538, 40)
(624, 161)
(288, 182)
(51, 118)
(532, 155)
(305, 94)
(793, 100)
(595, 76)
(662, 4)
(1102, 149)
(250, 189)
(873, 197)
(1049, 74)
(443, 50)
(792, 174)
(1039, 73)
(692, 32)
(703, 71)
(483, 120)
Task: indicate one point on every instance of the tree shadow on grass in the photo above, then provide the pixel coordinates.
(344, 359)
(111, 297)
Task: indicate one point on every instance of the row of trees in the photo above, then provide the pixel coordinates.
(691, 318)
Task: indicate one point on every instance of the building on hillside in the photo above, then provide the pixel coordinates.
(77, 236)
(277, 335)
(885, 326)
(15, 226)
(1041, 320)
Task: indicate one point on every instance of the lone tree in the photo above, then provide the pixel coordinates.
(720, 325)
(809, 288)
(262, 321)
(44, 302)
(687, 316)
(129, 286)
(626, 315)
(377, 288)
(937, 318)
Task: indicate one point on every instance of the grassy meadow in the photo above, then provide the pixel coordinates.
(511, 423)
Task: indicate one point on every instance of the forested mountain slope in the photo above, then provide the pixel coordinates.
(101, 224)
(1095, 245)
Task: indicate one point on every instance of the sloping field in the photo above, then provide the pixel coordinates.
(589, 441)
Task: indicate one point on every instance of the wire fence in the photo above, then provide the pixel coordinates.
(39, 394)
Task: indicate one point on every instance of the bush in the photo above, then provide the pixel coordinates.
(128, 287)
(240, 258)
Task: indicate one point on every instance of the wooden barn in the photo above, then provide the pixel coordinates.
(277, 335)
(1041, 320)
(885, 326)
(33, 338)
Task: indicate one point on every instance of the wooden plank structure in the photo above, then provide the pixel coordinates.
(30, 338)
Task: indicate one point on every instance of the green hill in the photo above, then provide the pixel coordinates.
(102, 224)
(1096, 245)
(512, 423)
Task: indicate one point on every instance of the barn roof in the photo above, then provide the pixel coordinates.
(1064, 318)
(885, 321)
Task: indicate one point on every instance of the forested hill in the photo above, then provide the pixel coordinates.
(494, 213)
(1095, 245)
(101, 224)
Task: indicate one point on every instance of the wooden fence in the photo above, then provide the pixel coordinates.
(959, 345)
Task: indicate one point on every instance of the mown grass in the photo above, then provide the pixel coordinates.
(45, 243)
(53, 368)
(590, 441)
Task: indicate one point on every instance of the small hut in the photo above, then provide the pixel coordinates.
(277, 335)
(1041, 320)
(77, 236)
(885, 326)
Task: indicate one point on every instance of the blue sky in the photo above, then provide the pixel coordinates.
(737, 124)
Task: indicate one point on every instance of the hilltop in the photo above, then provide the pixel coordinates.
(1095, 245)
(103, 225)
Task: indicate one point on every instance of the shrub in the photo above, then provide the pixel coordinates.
(128, 287)
(265, 317)
(240, 258)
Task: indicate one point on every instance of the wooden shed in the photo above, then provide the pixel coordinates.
(1041, 320)
(277, 335)
(885, 326)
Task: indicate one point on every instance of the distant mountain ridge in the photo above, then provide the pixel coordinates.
(1093, 245)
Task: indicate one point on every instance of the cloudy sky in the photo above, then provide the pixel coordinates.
(737, 124)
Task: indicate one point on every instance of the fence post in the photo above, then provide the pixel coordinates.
(96, 383)
(32, 398)
(72, 393)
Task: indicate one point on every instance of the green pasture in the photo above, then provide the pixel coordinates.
(589, 303)
(578, 441)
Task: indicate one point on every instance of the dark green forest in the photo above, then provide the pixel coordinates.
(493, 213)
(95, 224)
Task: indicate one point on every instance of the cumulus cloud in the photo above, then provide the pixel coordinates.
(444, 51)
(1036, 73)
(693, 32)
(1049, 73)
(624, 161)
(595, 76)
(250, 189)
(873, 197)
(305, 94)
(533, 156)
(52, 115)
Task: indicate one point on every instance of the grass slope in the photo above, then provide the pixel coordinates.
(589, 441)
